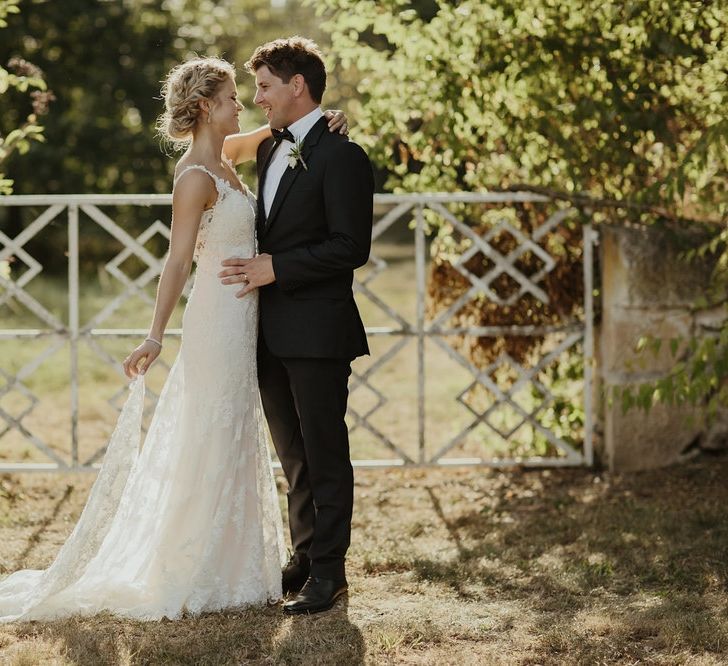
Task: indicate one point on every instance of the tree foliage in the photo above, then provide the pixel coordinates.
(598, 101)
(105, 62)
(620, 100)
(26, 79)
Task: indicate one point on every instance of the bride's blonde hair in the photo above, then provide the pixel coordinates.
(183, 88)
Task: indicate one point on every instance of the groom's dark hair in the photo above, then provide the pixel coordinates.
(288, 57)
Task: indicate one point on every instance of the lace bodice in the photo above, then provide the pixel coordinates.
(229, 225)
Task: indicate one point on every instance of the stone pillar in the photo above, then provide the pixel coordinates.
(647, 289)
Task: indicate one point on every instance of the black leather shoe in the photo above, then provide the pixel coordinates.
(294, 574)
(318, 594)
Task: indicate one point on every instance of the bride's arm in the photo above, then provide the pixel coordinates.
(188, 202)
(240, 148)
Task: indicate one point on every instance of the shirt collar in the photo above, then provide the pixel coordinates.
(303, 126)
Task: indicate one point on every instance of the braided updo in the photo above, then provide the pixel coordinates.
(183, 88)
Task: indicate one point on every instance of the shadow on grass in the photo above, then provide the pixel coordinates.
(249, 636)
(35, 538)
(635, 534)
(647, 553)
(326, 638)
(678, 629)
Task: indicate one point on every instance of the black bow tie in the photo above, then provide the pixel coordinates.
(282, 135)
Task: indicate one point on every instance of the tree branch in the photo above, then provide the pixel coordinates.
(587, 201)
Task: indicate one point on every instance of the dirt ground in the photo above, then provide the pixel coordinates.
(447, 566)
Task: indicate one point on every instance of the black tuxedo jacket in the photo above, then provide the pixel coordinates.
(318, 231)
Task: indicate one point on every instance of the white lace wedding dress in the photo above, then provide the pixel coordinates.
(191, 523)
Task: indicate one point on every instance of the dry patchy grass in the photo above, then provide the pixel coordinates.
(469, 566)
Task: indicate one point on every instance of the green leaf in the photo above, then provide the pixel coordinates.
(14, 136)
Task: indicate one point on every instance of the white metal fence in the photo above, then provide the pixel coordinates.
(69, 333)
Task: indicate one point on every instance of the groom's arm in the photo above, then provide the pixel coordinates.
(348, 191)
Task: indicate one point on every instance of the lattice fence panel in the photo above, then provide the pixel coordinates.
(420, 398)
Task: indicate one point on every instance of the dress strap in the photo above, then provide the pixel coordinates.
(199, 167)
(218, 180)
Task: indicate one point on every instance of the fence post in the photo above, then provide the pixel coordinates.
(421, 284)
(73, 323)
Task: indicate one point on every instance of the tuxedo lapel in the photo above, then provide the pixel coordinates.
(290, 175)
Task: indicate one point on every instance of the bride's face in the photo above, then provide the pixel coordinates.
(226, 107)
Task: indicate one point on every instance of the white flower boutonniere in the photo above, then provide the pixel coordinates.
(295, 156)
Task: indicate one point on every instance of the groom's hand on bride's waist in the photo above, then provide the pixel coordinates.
(251, 272)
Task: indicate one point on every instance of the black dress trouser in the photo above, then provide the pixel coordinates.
(304, 400)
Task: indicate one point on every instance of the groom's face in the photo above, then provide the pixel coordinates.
(273, 96)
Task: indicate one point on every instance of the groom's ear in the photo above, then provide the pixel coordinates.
(299, 84)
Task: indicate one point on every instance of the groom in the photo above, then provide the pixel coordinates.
(314, 225)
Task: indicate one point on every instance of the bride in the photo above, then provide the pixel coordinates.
(190, 523)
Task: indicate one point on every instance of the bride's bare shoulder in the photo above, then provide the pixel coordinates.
(184, 165)
(192, 170)
(193, 185)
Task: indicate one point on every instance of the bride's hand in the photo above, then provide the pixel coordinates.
(146, 353)
(337, 121)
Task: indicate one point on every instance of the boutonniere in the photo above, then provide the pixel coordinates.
(295, 156)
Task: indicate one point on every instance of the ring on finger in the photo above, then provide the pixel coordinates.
(245, 277)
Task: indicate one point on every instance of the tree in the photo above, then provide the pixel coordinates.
(23, 76)
(591, 99)
(613, 99)
(104, 61)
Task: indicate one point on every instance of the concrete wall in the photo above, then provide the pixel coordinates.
(647, 289)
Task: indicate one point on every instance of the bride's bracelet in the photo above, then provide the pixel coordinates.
(156, 342)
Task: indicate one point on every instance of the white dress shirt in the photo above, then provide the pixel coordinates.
(279, 162)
